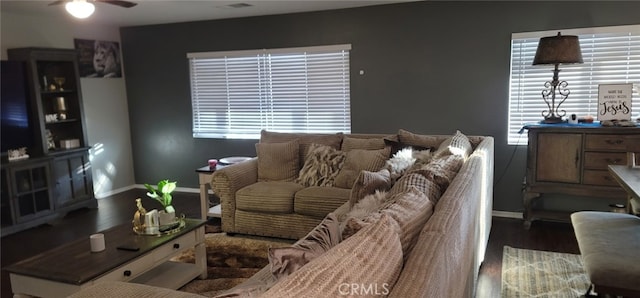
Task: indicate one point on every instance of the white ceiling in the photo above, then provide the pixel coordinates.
(149, 12)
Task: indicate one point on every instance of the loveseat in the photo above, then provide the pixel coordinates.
(264, 197)
(426, 239)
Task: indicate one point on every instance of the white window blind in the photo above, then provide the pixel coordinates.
(238, 93)
(611, 55)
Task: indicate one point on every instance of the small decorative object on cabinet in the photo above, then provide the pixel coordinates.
(56, 116)
(573, 161)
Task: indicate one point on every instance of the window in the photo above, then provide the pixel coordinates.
(611, 55)
(238, 93)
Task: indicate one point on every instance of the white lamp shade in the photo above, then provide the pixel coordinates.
(80, 8)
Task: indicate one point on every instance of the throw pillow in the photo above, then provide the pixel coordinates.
(321, 166)
(358, 160)
(418, 181)
(367, 183)
(367, 144)
(349, 262)
(286, 260)
(277, 161)
(458, 144)
(442, 170)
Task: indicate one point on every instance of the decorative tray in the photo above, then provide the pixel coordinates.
(164, 229)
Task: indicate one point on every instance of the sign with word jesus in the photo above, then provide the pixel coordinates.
(614, 101)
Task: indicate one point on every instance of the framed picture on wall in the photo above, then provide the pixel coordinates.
(614, 101)
(98, 59)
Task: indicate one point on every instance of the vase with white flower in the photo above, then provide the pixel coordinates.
(162, 194)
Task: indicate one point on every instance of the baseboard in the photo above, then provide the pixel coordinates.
(141, 186)
(114, 191)
(178, 189)
(508, 214)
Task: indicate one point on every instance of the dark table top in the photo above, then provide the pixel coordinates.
(74, 263)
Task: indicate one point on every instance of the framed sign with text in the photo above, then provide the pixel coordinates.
(614, 101)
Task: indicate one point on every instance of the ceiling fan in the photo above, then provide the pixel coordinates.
(84, 8)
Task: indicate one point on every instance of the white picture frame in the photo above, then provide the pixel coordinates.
(614, 101)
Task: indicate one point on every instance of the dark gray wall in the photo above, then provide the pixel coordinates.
(430, 67)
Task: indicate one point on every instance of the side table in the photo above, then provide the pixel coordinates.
(204, 177)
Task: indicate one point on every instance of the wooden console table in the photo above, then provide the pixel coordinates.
(65, 270)
(573, 160)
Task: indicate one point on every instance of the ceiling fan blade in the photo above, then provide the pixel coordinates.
(122, 3)
(57, 2)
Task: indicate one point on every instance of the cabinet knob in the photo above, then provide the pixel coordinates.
(614, 142)
(613, 161)
(127, 273)
(176, 245)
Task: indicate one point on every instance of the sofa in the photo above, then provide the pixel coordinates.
(262, 197)
(426, 238)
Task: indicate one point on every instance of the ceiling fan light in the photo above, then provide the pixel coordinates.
(80, 9)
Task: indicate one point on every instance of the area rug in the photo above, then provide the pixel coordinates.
(534, 273)
(230, 261)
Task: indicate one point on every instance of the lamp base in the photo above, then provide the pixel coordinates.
(552, 119)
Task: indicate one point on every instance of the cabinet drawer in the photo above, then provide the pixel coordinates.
(184, 242)
(600, 160)
(596, 177)
(611, 142)
(129, 271)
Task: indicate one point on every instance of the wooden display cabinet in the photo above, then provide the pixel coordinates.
(60, 146)
(26, 195)
(56, 97)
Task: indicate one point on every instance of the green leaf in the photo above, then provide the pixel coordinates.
(168, 187)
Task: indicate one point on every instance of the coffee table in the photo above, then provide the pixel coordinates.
(69, 268)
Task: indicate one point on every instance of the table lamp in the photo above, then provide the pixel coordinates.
(556, 50)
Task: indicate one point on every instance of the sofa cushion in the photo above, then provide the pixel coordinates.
(349, 144)
(372, 258)
(318, 201)
(418, 141)
(304, 139)
(321, 166)
(270, 197)
(279, 225)
(458, 144)
(367, 183)
(278, 161)
(360, 160)
(286, 260)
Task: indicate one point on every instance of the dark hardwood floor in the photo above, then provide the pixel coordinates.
(119, 209)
